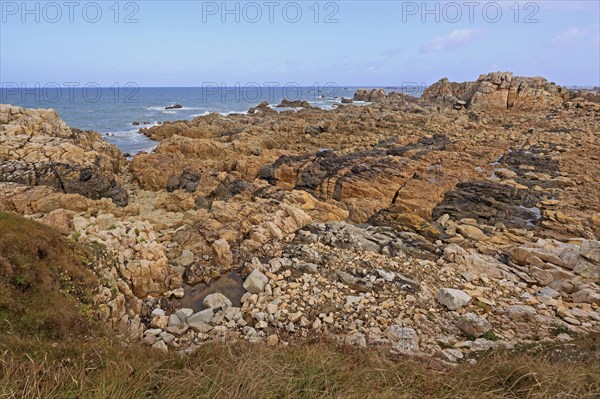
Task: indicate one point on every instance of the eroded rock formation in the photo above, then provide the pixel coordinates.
(498, 91)
(442, 226)
(37, 148)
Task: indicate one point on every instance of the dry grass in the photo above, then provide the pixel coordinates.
(44, 282)
(101, 369)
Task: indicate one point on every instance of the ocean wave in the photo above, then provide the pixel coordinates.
(234, 112)
(202, 114)
(189, 109)
(130, 139)
(142, 125)
(128, 133)
(222, 113)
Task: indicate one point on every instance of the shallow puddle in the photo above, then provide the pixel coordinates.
(229, 284)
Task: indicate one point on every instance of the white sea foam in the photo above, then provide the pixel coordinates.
(202, 114)
(131, 140)
(144, 124)
(232, 112)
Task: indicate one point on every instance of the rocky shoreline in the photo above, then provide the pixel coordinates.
(441, 226)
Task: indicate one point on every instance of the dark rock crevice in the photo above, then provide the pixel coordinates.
(70, 179)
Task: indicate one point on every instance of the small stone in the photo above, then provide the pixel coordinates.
(572, 320)
(351, 300)
(200, 327)
(446, 341)
(178, 293)
(184, 313)
(407, 284)
(272, 340)
(549, 292)
(261, 325)
(260, 316)
(105, 221)
(403, 338)
(233, 313)
(222, 253)
(204, 316)
(468, 276)
(521, 312)
(442, 220)
(505, 173)
(472, 232)
(157, 312)
(271, 308)
(563, 337)
(473, 325)
(153, 331)
(219, 330)
(577, 312)
(356, 339)
(587, 269)
(543, 277)
(482, 344)
(294, 317)
(216, 300)
(218, 318)
(255, 282)
(160, 322)
(452, 354)
(452, 298)
(545, 300)
(346, 277)
(186, 258)
(178, 329)
(59, 218)
(161, 346)
(586, 295)
(275, 265)
(253, 298)
(386, 275)
(173, 320)
(249, 331)
(167, 337)
(590, 249)
(149, 339)
(464, 344)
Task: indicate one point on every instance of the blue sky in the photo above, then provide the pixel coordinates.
(373, 43)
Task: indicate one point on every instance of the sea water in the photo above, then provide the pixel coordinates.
(119, 113)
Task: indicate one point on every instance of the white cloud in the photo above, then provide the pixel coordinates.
(568, 36)
(452, 40)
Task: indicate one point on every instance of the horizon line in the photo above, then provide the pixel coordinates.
(125, 87)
